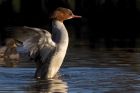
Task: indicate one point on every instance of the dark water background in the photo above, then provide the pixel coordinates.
(84, 71)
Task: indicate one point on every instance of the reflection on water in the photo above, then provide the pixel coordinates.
(50, 86)
(83, 71)
(15, 80)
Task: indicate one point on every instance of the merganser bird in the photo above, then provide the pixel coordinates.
(48, 51)
(11, 56)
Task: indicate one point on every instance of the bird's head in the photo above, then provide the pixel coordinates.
(62, 14)
(10, 42)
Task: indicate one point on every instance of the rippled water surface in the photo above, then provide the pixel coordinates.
(83, 71)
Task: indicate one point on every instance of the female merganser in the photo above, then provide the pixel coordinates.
(11, 56)
(48, 51)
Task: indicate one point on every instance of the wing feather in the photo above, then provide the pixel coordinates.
(35, 40)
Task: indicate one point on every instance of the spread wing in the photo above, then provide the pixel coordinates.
(36, 40)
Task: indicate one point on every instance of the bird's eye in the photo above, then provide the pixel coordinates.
(70, 13)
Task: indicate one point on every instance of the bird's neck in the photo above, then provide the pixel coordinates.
(57, 23)
(59, 33)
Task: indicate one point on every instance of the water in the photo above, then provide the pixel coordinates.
(83, 71)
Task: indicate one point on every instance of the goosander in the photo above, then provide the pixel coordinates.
(46, 49)
(11, 56)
